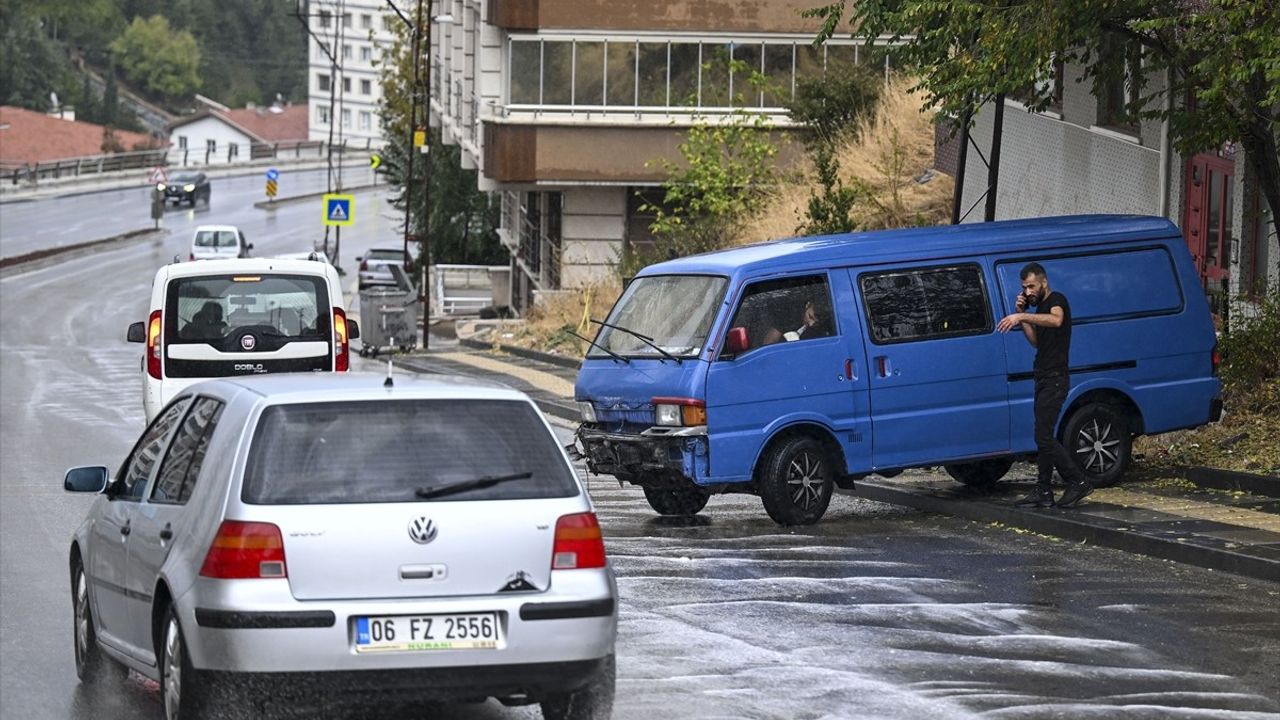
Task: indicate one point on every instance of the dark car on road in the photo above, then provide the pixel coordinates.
(188, 187)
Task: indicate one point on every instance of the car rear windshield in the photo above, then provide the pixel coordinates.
(386, 451)
(219, 309)
(216, 238)
(395, 255)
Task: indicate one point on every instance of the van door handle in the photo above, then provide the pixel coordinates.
(851, 369)
(883, 367)
(167, 532)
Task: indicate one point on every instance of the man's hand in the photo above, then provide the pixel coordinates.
(1010, 322)
(1021, 303)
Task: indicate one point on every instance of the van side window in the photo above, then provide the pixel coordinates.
(926, 303)
(182, 464)
(133, 477)
(785, 310)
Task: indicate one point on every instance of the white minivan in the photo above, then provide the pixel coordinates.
(237, 317)
(219, 242)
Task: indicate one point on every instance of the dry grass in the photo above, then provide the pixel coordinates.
(547, 328)
(1246, 440)
(893, 149)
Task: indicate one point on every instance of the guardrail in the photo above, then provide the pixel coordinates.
(32, 174)
(449, 284)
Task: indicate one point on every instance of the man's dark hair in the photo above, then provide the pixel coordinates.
(1032, 269)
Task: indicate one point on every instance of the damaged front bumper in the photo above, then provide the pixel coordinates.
(655, 451)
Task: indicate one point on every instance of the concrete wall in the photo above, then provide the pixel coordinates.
(593, 226)
(198, 135)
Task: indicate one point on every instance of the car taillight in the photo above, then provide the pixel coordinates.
(364, 264)
(341, 352)
(579, 543)
(153, 345)
(245, 550)
(1216, 357)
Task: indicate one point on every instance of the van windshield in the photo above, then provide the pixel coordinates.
(675, 310)
(216, 239)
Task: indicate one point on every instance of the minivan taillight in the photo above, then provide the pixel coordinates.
(1216, 357)
(154, 327)
(364, 264)
(245, 550)
(341, 352)
(578, 544)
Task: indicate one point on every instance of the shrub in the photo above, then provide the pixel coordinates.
(1250, 350)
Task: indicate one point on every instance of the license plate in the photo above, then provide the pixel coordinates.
(469, 631)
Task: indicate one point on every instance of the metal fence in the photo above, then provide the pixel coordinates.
(75, 167)
(461, 289)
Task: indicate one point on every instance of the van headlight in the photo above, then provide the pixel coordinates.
(666, 414)
(587, 411)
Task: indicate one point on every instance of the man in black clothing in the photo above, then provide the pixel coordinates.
(1048, 330)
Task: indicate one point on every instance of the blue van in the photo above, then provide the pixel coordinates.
(786, 368)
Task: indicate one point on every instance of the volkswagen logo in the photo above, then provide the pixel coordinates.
(422, 530)
(248, 342)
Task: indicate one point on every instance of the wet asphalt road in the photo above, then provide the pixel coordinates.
(874, 612)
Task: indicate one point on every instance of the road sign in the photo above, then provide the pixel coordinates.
(419, 138)
(375, 161)
(271, 189)
(339, 209)
(273, 174)
(158, 175)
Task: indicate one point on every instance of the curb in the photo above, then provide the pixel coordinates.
(1062, 525)
(543, 400)
(272, 205)
(1233, 480)
(571, 363)
(48, 253)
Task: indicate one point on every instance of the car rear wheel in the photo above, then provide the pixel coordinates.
(983, 473)
(183, 693)
(594, 700)
(796, 481)
(675, 500)
(1099, 441)
(92, 665)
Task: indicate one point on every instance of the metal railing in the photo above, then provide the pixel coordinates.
(457, 289)
(263, 151)
(75, 167)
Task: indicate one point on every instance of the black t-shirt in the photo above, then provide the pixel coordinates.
(1053, 345)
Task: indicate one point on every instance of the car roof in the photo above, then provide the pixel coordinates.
(291, 388)
(922, 243)
(248, 265)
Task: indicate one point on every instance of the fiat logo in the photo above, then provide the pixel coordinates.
(248, 342)
(422, 530)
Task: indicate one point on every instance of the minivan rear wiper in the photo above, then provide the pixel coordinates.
(642, 338)
(593, 343)
(472, 484)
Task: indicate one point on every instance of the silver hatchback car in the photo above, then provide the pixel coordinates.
(282, 540)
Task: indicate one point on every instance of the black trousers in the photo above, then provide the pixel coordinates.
(1051, 392)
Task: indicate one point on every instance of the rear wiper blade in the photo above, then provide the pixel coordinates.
(642, 338)
(472, 484)
(593, 343)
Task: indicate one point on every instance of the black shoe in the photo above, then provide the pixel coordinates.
(1075, 493)
(1040, 498)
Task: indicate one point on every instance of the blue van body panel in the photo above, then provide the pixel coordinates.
(1141, 337)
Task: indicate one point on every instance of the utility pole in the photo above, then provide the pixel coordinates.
(426, 188)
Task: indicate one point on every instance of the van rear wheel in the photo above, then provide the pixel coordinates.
(1100, 443)
(796, 481)
(983, 473)
(675, 500)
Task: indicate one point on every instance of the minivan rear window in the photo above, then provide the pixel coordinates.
(217, 239)
(386, 451)
(219, 309)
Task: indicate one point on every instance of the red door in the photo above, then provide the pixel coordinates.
(1207, 222)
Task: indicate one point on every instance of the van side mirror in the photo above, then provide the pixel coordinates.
(137, 332)
(353, 330)
(91, 479)
(736, 341)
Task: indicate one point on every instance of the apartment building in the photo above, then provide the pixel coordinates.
(347, 39)
(565, 105)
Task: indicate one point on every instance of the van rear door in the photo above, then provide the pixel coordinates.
(939, 390)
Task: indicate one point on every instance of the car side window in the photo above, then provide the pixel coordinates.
(925, 303)
(131, 484)
(182, 463)
(786, 310)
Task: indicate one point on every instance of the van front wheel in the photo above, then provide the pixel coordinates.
(983, 473)
(682, 501)
(1099, 442)
(795, 481)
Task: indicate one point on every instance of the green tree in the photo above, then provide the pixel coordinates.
(108, 115)
(163, 61)
(31, 66)
(1224, 53)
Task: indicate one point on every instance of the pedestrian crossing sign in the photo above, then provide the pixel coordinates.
(339, 209)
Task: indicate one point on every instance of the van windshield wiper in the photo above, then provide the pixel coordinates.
(593, 343)
(472, 484)
(642, 338)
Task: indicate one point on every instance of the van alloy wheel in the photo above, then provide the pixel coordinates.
(1100, 443)
(795, 481)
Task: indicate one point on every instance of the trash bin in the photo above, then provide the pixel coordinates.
(389, 316)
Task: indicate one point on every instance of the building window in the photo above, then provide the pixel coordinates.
(366, 120)
(1120, 84)
(346, 84)
(323, 81)
(366, 21)
(211, 146)
(322, 114)
(1047, 85)
(346, 118)
(322, 51)
(388, 23)
(346, 20)
(366, 87)
(182, 142)
(233, 150)
(366, 53)
(325, 18)
(346, 52)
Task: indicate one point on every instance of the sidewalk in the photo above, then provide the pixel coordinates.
(1197, 523)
